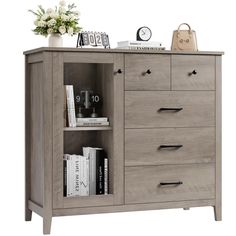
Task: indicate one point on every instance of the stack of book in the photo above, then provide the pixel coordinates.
(99, 121)
(86, 174)
(149, 45)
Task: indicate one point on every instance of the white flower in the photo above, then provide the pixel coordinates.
(41, 23)
(52, 22)
(70, 31)
(49, 10)
(36, 22)
(62, 10)
(64, 17)
(62, 3)
(54, 15)
(62, 29)
(44, 16)
(50, 31)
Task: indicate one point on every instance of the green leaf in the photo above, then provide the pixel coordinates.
(34, 12)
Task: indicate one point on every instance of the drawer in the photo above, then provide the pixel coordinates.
(193, 72)
(183, 182)
(147, 109)
(137, 76)
(169, 146)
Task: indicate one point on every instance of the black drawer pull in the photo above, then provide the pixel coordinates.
(170, 109)
(170, 147)
(119, 71)
(148, 71)
(194, 72)
(171, 183)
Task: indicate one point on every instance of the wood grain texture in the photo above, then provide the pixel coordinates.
(142, 109)
(58, 123)
(142, 146)
(115, 50)
(142, 184)
(35, 58)
(136, 77)
(36, 133)
(35, 208)
(133, 207)
(47, 141)
(183, 65)
(28, 212)
(218, 170)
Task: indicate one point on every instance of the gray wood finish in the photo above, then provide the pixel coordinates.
(218, 170)
(136, 129)
(142, 184)
(142, 146)
(133, 207)
(142, 109)
(204, 67)
(28, 212)
(136, 66)
(108, 51)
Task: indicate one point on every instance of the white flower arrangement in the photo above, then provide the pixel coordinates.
(60, 20)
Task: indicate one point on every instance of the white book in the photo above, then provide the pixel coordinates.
(133, 43)
(103, 123)
(83, 176)
(70, 105)
(106, 176)
(91, 120)
(77, 175)
(87, 175)
(142, 48)
(68, 175)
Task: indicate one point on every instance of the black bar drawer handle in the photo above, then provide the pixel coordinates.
(194, 72)
(171, 183)
(172, 147)
(170, 109)
(119, 71)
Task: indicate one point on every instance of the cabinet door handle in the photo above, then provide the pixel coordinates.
(194, 72)
(170, 109)
(171, 183)
(148, 71)
(170, 147)
(119, 71)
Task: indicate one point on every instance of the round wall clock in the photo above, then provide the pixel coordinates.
(144, 34)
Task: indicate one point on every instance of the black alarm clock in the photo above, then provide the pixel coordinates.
(144, 34)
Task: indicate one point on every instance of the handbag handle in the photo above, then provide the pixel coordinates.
(185, 24)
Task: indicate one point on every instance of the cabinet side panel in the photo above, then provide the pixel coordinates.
(36, 121)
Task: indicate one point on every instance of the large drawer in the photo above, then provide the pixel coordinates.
(192, 72)
(169, 146)
(147, 72)
(148, 109)
(180, 182)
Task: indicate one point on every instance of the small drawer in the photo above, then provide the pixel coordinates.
(193, 72)
(147, 72)
(150, 109)
(169, 183)
(169, 146)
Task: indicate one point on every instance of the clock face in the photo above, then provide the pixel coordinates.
(144, 33)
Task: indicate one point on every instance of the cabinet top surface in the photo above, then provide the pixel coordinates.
(101, 50)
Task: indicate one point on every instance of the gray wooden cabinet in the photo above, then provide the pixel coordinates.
(164, 142)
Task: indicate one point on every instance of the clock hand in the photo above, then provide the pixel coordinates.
(143, 32)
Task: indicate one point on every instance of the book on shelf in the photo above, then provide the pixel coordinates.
(99, 121)
(70, 103)
(149, 45)
(86, 174)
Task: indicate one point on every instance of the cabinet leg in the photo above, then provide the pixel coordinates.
(47, 221)
(28, 214)
(218, 212)
(186, 208)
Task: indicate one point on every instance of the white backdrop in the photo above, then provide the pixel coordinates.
(214, 22)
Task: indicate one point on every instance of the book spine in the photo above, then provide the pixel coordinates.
(77, 179)
(69, 192)
(87, 175)
(106, 173)
(70, 106)
(99, 119)
(65, 177)
(83, 177)
(105, 123)
(99, 172)
(92, 171)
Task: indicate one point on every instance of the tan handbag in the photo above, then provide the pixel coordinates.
(184, 40)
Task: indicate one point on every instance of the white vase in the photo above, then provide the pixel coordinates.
(55, 40)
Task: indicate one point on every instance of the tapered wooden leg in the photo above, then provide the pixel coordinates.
(186, 208)
(218, 212)
(47, 221)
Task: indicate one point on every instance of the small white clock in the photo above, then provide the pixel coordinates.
(144, 34)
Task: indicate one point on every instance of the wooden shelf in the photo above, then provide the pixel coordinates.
(86, 128)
